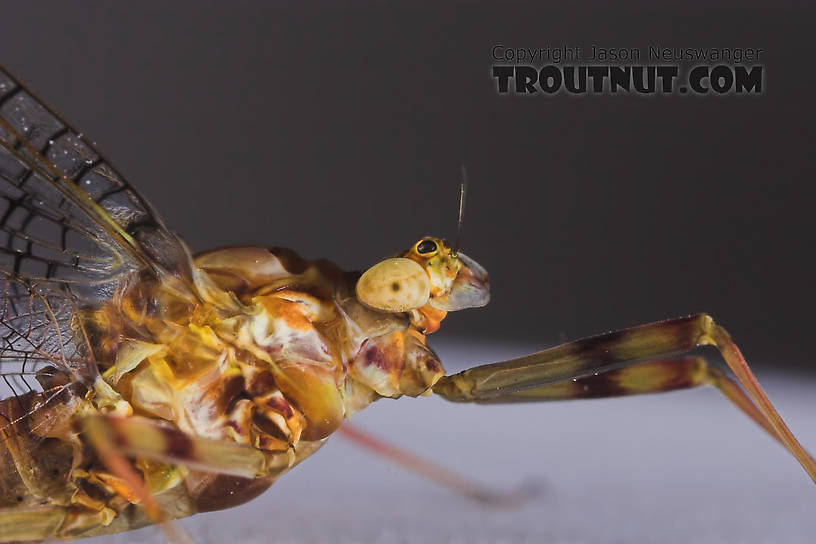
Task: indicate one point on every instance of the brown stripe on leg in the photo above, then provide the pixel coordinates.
(143, 437)
(107, 441)
(572, 360)
(656, 376)
(114, 438)
(605, 352)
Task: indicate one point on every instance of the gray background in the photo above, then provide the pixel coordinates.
(340, 133)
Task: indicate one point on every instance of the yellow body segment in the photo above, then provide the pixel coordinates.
(272, 354)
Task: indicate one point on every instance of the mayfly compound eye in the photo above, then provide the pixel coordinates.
(394, 285)
(426, 247)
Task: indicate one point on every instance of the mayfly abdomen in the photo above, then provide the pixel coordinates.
(33, 463)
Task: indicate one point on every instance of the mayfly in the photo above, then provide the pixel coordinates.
(145, 384)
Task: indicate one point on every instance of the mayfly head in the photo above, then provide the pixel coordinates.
(427, 273)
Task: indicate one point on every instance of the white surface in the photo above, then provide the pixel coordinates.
(682, 467)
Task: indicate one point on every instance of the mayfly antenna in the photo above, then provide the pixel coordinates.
(462, 194)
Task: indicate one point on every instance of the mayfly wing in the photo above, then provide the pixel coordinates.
(69, 217)
(72, 230)
(45, 365)
(40, 336)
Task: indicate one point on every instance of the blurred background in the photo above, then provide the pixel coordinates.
(340, 133)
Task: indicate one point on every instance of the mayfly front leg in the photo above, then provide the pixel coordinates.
(539, 376)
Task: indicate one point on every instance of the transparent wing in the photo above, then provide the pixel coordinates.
(40, 328)
(67, 216)
(72, 231)
(45, 362)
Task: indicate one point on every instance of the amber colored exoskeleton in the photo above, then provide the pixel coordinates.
(142, 383)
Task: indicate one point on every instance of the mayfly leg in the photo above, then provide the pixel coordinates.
(141, 437)
(655, 376)
(116, 438)
(107, 444)
(436, 473)
(549, 374)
